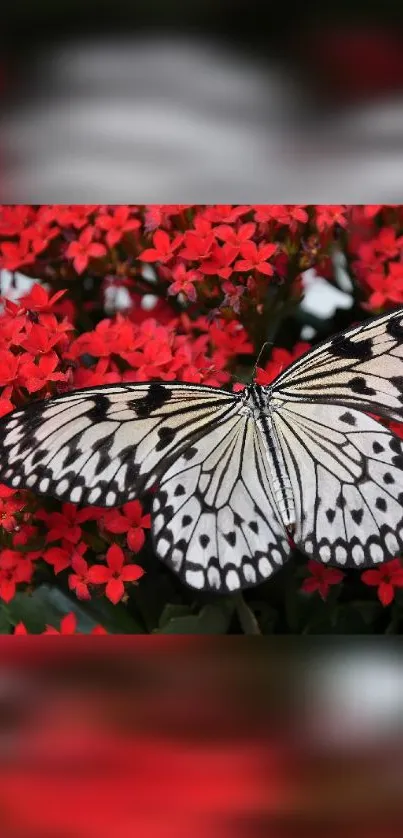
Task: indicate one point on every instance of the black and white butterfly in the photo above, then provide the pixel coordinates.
(234, 474)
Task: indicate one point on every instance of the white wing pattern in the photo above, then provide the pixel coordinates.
(234, 474)
(346, 473)
(104, 445)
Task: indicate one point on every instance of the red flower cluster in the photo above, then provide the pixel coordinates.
(378, 250)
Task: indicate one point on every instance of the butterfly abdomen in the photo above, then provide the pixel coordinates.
(259, 403)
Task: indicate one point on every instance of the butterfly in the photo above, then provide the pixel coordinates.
(235, 475)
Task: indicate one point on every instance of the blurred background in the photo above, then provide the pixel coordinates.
(220, 100)
(183, 737)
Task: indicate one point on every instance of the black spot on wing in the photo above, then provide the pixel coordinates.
(99, 409)
(348, 418)
(330, 515)
(358, 385)
(357, 515)
(166, 436)
(394, 327)
(157, 395)
(377, 447)
(343, 347)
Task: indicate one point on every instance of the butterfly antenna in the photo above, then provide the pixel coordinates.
(263, 347)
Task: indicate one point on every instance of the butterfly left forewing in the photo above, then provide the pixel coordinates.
(104, 445)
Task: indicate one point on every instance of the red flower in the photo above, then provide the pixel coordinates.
(66, 524)
(321, 579)
(5, 404)
(39, 235)
(327, 215)
(184, 281)
(386, 288)
(235, 237)
(221, 260)
(115, 575)
(15, 254)
(41, 341)
(386, 578)
(36, 376)
(9, 505)
(130, 520)
(117, 224)
(80, 579)
(198, 244)
(84, 249)
(288, 214)
(14, 568)
(38, 299)
(62, 557)
(280, 359)
(9, 368)
(20, 629)
(68, 625)
(255, 258)
(163, 250)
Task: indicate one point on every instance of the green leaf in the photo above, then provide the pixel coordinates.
(172, 611)
(212, 619)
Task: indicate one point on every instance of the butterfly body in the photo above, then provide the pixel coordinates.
(234, 474)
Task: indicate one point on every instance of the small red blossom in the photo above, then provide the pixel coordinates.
(115, 574)
(37, 376)
(163, 250)
(66, 524)
(117, 223)
(198, 245)
(184, 281)
(9, 368)
(20, 629)
(38, 300)
(130, 520)
(233, 236)
(329, 215)
(15, 254)
(15, 567)
(321, 578)
(9, 506)
(255, 258)
(386, 287)
(220, 261)
(385, 578)
(80, 579)
(6, 404)
(84, 249)
(62, 557)
(68, 625)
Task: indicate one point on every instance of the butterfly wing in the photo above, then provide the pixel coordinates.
(361, 367)
(215, 521)
(105, 444)
(346, 473)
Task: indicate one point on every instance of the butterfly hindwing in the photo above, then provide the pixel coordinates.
(215, 521)
(104, 445)
(346, 472)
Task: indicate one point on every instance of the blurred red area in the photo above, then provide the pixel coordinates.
(184, 738)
